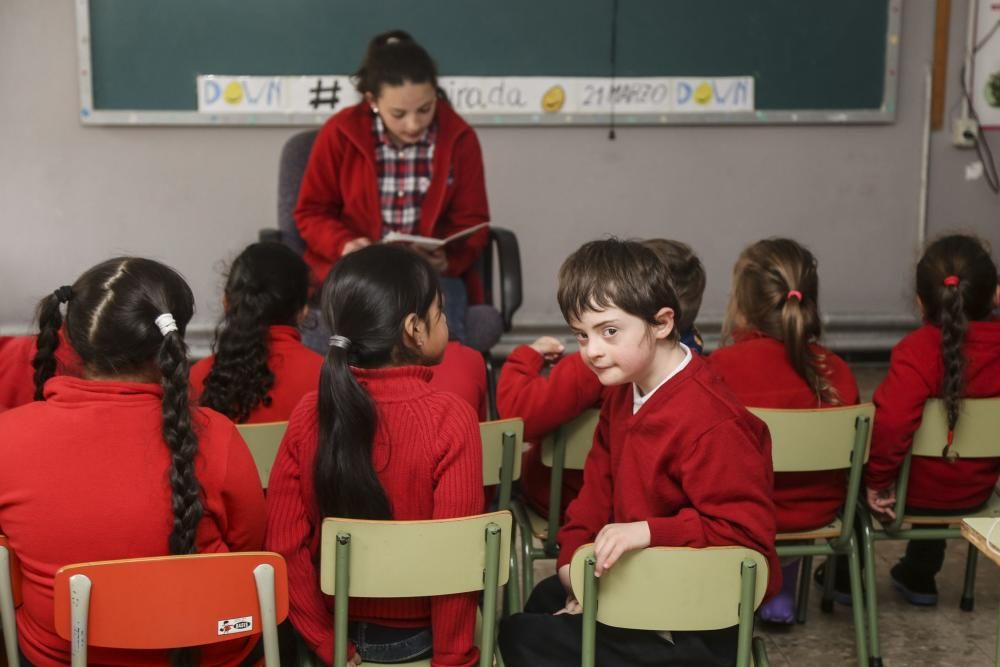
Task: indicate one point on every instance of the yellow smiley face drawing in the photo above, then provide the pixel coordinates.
(553, 99)
(703, 93)
(233, 93)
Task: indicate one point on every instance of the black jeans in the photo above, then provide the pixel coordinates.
(385, 644)
(536, 638)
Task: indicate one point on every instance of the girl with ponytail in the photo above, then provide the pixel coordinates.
(377, 441)
(260, 368)
(954, 355)
(774, 360)
(116, 464)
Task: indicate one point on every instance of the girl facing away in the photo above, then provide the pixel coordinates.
(955, 354)
(260, 369)
(774, 360)
(116, 464)
(377, 441)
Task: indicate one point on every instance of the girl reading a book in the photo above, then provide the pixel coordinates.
(403, 161)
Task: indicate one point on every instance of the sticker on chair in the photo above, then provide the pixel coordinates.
(231, 626)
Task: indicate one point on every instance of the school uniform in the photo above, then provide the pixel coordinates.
(756, 368)
(428, 458)
(84, 477)
(296, 371)
(340, 199)
(462, 371)
(17, 375)
(688, 459)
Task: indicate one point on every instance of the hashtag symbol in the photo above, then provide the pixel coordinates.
(324, 95)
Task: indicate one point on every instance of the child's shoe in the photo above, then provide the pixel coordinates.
(841, 581)
(918, 589)
(781, 608)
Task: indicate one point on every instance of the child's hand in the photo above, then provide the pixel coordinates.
(616, 539)
(356, 660)
(550, 348)
(355, 244)
(882, 501)
(572, 606)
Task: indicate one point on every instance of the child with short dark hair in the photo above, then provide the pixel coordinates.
(260, 369)
(954, 355)
(676, 461)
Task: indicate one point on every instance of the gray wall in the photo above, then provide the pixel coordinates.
(72, 195)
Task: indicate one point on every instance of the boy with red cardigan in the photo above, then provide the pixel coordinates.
(676, 461)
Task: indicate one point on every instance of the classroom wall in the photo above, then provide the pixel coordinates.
(73, 195)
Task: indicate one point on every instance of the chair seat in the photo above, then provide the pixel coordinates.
(829, 531)
(991, 509)
(539, 524)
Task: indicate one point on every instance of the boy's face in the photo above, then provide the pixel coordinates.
(620, 347)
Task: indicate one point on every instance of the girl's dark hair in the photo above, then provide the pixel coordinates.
(366, 299)
(268, 285)
(956, 283)
(394, 58)
(111, 322)
(776, 291)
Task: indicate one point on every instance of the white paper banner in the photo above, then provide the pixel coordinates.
(986, 70)
(507, 96)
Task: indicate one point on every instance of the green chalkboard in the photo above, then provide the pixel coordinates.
(804, 56)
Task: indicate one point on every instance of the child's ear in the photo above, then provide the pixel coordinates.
(370, 100)
(412, 336)
(664, 323)
(996, 297)
(920, 305)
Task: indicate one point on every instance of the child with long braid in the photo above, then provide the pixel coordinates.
(116, 464)
(954, 355)
(260, 368)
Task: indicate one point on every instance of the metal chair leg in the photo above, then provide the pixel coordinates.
(871, 597)
(826, 604)
(968, 602)
(805, 581)
(857, 601)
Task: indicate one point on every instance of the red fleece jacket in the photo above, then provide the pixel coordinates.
(339, 199)
(916, 373)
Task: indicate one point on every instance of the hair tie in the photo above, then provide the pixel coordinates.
(794, 293)
(63, 294)
(343, 342)
(951, 281)
(166, 324)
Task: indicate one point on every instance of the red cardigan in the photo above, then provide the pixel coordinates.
(915, 374)
(296, 371)
(757, 369)
(462, 371)
(339, 200)
(692, 462)
(83, 477)
(545, 403)
(428, 458)
(17, 376)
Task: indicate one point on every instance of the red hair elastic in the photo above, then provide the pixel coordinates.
(951, 281)
(794, 292)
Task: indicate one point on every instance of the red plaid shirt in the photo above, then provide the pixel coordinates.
(404, 175)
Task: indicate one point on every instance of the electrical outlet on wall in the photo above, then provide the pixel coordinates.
(964, 131)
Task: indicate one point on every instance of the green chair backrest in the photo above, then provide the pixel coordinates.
(977, 433)
(492, 434)
(579, 436)
(263, 441)
(815, 439)
(672, 588)
(391, 559)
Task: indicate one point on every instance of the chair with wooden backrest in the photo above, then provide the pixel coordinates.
(977, 435)
(503, 441)
(172, 602)
(10, 598)
(262, 441)
(565, 449)
(673, 589)
(392, 559)
(824, 439)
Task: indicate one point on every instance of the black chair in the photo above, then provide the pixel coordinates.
(499, 264)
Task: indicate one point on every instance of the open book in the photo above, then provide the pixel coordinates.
(429, 241)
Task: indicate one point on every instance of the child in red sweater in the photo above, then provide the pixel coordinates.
(116, 464)
(676, 461)
(378, 442)
(954, 355)
(260, 369)
(774, 361)
(545, 402)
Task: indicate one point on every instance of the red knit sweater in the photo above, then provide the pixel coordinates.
(339, 199)
(428, 458)
(545, 403)
(83, 477)
(757, 369)
(915, 374)
(462, 371)
(692, 462)
(296, 371)
(17, 376)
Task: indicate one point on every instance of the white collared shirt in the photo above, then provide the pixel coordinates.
(638, 400)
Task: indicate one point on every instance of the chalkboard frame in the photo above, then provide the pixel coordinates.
(886, 113)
